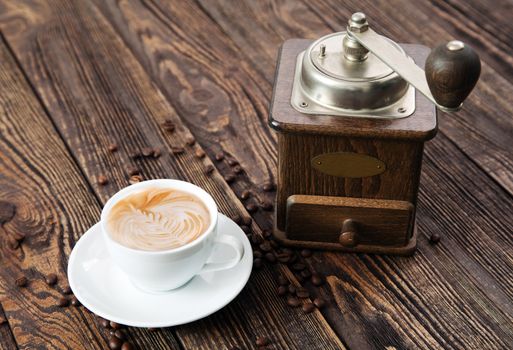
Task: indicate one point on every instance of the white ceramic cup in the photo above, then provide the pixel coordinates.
(163, 270)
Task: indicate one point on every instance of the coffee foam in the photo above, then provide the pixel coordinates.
(156, 219)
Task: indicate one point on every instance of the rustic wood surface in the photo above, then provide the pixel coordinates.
(76, 76)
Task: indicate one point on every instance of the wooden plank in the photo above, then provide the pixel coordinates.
(7, 341)
(97, 94)
(34, 162)
(421, 302)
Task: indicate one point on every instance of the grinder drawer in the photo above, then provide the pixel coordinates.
(348, 221)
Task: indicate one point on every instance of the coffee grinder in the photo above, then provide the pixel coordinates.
(352, 111)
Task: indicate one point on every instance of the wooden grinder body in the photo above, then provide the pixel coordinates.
(374, 214)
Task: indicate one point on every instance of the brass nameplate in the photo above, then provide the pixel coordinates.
(348, 164)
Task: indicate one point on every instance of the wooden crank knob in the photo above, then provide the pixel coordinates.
(452, 71)
(349, 236)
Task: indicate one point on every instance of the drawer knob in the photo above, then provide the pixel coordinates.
(349, 236)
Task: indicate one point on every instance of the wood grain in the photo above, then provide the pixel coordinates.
(402, 317)
(214, 63)
(7, 341)
(46, 213)
(97, 93)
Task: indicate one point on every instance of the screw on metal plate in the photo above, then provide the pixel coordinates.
(322, 50)
(401, 109)
(304, 104)
(358, 22)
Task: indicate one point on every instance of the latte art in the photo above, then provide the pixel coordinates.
(157, 219)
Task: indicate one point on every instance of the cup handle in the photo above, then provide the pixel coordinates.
(237, 246)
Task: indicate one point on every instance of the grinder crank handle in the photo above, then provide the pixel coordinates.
(452, 69)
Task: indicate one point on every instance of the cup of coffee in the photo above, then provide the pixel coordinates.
(161, 233)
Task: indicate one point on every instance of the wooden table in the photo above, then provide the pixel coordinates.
(78, 76)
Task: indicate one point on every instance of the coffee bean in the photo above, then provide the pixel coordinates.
(104, 323)
(119, 334)
(317, 279)
(135, 179)
(245, 228)
(63, 301)
(257, 263)
(306, 253)
(270, 257)
(257, 254)
(268, 186)
(112, 147)
(302, 293)
(75, 301)
(168, 125)
(66, 290)
(434, 238)
(299, 266)
(219, 156)
(267, 233)
(51, 279)
(288, 251)
(262, 341)
(115, 343)
(283, 258)
(190, 140)
(199, 153)
(282, 281)
(291, 289)
(274, 244)
(132, 170)
(245, 194)
(102, 180)
(232, 162)
(251, 207)
(209, 169)
(177, 150)
(266, 247)
(237, 219)
(115, 325)
(147, 151)
(256, 239)
(127, 346)
(308, 307)
(293, 258)
(237, 169)
(247, 220)
(2, 320)
(282, 290)
(229, 178)
(293, 302)
(21, 282)
(306, 273)
(266, 205)
(319, 302)
(136, 156)
(157, 152)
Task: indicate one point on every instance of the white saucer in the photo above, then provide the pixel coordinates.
(105, 290)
